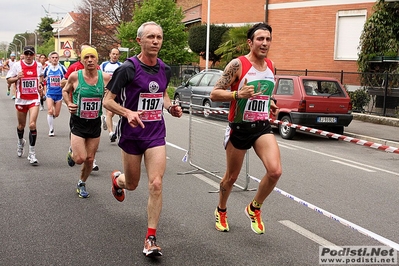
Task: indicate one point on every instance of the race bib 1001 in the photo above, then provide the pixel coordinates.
(257, 109)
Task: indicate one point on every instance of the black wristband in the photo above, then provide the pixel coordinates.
(170, 107)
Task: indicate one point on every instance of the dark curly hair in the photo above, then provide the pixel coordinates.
(258, 26)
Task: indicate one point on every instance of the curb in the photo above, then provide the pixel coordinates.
(382, 120)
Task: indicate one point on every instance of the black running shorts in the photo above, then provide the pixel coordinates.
(85, 128)
(244, 135)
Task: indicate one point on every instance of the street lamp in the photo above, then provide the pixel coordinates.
(20, 42)
(91, 16)
(23, 37)
(16, 47)
(34, 32)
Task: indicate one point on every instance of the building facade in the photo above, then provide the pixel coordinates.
(307, 34)
(64, 35)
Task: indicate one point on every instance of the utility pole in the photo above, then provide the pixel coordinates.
(91, 17)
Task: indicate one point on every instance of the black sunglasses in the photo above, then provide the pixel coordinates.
(28, 53)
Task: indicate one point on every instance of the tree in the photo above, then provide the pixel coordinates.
(197, 40)
(380, 36)
(234, 44)
(107, 15)
(45, 30)
(3, 49)
(167, 14)
(46, 47)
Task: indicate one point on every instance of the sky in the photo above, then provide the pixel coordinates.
(20, 16)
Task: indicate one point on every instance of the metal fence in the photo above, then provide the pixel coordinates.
(371, 93)
(206, 151)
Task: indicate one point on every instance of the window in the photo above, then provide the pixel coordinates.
(285, 87)
(348, 30)
(323, 88)
(206, 79)
(214, 79)
(194, 80)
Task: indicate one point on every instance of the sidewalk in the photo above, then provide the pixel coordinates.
(381, 130)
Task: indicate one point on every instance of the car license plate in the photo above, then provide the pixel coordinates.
(323, 119)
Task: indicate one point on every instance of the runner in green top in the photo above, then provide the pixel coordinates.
(89, 97)
(83, 94)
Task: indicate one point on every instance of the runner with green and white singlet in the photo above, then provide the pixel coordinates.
(247, 82)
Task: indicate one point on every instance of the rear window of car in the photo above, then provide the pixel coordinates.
(214, 79)
(323, 88)
(206, 79)
(285, 87)
(194, 80)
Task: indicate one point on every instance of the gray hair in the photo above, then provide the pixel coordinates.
(140, 30)
(53, 52)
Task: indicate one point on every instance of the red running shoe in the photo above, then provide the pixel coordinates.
(118, 192)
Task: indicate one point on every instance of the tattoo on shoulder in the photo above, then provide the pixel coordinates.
(229, 74)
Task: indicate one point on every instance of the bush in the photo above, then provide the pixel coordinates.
(359, 99)
(171, 92)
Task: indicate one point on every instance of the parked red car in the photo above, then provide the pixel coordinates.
(317, 102)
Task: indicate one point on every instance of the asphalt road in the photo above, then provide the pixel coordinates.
(43, 222)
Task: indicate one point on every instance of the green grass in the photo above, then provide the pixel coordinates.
(171, 92)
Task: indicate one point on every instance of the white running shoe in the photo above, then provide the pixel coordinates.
(20, 148)
(112, 136)
(32, 158)
(51, 133)
(95, 166)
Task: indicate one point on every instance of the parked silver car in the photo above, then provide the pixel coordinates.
(200, 86)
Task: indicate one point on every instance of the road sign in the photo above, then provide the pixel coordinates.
(67, 53)
(67, 45)
(123, 49)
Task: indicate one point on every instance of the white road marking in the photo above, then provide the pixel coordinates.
(175, 146)
(306, 233)
(339, 158)
(287, 147)
(207, 180)
(354, 166)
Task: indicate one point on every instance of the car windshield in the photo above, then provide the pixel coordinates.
(323, 88)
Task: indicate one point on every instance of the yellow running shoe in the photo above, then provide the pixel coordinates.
(221, 221)
(256, 220)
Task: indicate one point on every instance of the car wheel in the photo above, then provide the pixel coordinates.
(207, 105)
(178, 102)
(285, 131)
(177, 99)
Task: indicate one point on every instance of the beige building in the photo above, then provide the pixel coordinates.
(64, 34)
